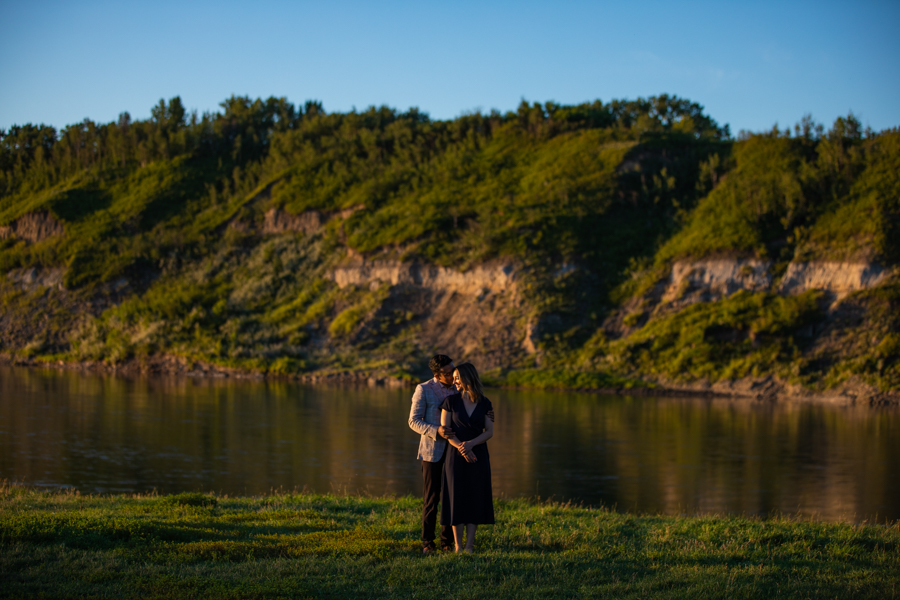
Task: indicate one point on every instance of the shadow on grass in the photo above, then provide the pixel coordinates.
(299, 545)
(79, 203)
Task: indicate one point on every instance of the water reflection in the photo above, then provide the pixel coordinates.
(106, 434)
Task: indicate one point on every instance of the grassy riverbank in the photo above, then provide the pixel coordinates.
(59, 545)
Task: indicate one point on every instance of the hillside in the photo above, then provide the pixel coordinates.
(632, 243)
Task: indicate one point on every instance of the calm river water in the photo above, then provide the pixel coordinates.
(669, 455)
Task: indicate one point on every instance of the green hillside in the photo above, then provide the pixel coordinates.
(213, 240)
(831, 197)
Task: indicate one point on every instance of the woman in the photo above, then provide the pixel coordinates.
(467, 500)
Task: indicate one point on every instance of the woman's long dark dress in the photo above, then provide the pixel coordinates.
(467, 496)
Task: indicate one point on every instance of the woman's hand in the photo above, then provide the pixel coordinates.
(467, 454)
(467, 449)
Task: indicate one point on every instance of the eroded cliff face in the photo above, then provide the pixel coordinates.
(31, 279)
(481, 315)
(33, 227)
(837, 278)
(34, 292)
(829, 348)
(711, 279)
(480, 281)
(278, 221)
(474, 315)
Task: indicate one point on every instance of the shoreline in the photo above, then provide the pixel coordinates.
(763, 389)
(9, 488)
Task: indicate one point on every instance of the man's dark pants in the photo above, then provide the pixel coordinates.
(431, 475)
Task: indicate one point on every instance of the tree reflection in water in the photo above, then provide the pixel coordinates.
(669, 455)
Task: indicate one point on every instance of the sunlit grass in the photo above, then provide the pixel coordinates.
(304, 545)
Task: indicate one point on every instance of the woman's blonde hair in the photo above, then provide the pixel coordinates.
(471, 382)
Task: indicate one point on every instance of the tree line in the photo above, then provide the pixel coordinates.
(35, 157)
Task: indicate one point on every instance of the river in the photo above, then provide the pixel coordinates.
(104, 434)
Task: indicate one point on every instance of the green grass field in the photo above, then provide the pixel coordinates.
(66, 545)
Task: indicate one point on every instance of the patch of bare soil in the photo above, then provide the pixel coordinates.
(33, 227)
(279, 221)
(485, 329)
(39, 313)
(482, 330)
(475, 315)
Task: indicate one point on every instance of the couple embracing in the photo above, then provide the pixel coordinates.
(455, 420)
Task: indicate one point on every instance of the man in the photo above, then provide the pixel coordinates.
(425, 419)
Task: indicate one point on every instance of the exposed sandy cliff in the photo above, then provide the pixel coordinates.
(474, 315)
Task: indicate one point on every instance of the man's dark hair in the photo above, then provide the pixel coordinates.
(438, 362)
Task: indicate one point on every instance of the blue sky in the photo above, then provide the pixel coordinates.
(751, 64)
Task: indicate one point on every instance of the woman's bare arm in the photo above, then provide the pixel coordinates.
(445, 422)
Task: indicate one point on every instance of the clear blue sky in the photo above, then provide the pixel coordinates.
(750, 63)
